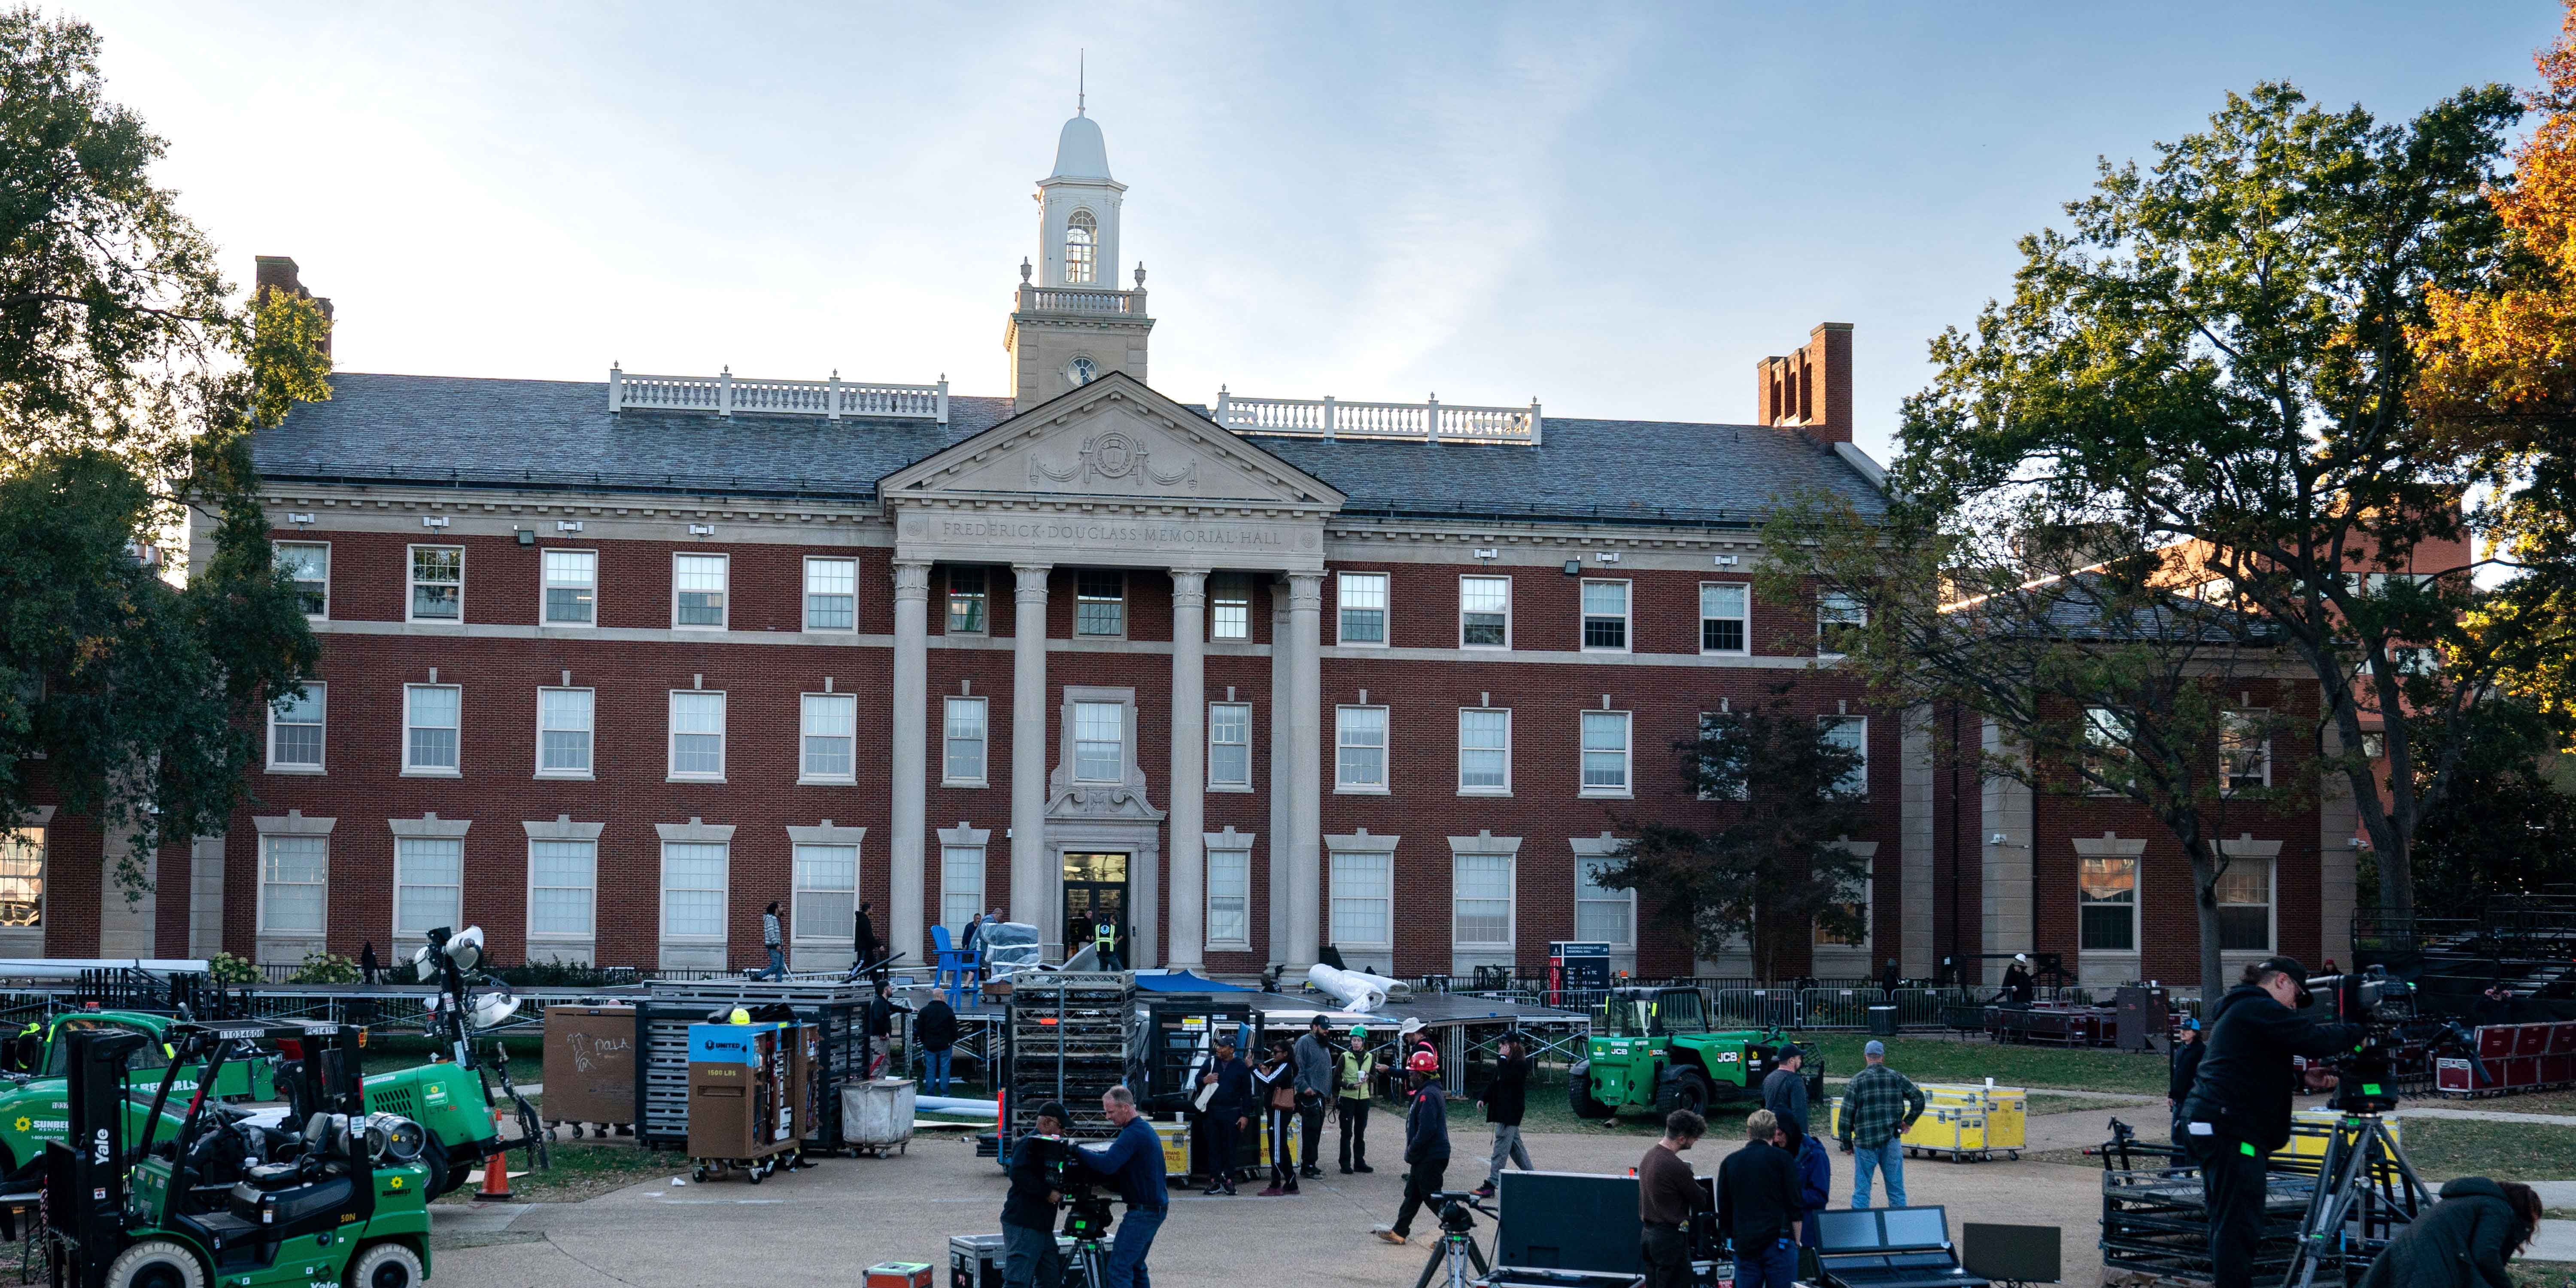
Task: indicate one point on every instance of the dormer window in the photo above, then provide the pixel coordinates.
(1081, 249)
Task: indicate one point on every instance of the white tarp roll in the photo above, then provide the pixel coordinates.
(1353, 991)
(1390, 987)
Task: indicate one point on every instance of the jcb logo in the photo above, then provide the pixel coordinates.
(1727, 1057)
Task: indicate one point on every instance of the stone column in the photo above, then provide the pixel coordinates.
(1279, 757)
(1305, 767)
(1033, 889)
(910, 748)
(1188, 812)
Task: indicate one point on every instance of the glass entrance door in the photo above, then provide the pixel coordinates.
(1095, 889)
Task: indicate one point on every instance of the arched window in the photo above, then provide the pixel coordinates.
(1081, 249)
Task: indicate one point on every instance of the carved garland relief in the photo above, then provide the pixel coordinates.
(1112, 454)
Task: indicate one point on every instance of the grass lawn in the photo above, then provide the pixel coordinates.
(1926, 1059)
(2446, 1147)
(2543, 1274)
(582, 1170)
(2043, 1103)
(2538, 1102)
(386, 1055)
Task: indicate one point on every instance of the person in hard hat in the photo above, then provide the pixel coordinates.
(1426, 1144)
(1354, 1072)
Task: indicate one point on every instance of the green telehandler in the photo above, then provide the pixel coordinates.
(1652, 1048)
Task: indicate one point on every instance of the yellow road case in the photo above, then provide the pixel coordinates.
(1962, 1123)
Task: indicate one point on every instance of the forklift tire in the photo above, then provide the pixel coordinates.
(1578, 1093)
(384, 1265)
(1683, 1089)
(156, 1263)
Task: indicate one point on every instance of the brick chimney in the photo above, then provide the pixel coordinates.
(1810, 390)
(278, 273)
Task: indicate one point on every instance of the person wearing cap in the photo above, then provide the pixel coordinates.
(1314, 1083)
(1228, 1112)
(2182, 1065)
(2239, 1108)
(1784, 1092)
(1426, 1143)
(1029, 1256)
(1505, 1100)
(2018, 990)
(1354, 1072)
(1879, 1105)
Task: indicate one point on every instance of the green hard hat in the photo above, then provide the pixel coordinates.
(1359, 1030)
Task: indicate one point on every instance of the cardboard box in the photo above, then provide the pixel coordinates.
(590, 1064)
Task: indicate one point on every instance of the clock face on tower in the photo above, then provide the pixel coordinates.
(1080, 371)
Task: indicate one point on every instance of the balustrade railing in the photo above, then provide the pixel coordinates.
(1081, 299)
(726, 393)
(1429, 422)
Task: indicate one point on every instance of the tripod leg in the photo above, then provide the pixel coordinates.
(1478, 1257)
(1438, 1262)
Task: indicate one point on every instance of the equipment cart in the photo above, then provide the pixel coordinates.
(742, 1107)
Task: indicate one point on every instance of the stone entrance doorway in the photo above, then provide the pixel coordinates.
(1095, 888)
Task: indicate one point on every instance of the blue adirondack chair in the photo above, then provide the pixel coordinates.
(955, 969)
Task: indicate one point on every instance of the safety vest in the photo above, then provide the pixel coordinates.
(1357, 1069)
(1105, 937)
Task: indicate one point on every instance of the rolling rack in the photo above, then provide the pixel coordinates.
(662, 1020)
(2155, 1227)
(1064, 1038)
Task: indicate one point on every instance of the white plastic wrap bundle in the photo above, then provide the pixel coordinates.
(1354, 991)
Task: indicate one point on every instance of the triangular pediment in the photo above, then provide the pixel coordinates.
(1113, 439)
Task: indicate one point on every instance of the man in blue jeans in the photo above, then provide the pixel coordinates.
(771, 939)
(1757, 1204)
(1879, 1104)
(1133, 1162)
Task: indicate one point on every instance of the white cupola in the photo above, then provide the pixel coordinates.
(1078, 211)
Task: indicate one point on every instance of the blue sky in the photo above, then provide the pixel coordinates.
(1615, 209)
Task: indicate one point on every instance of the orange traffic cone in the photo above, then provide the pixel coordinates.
(496, 1170)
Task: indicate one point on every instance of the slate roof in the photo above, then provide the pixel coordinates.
(481, 433)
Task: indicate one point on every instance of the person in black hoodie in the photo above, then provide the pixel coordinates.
(2239, 1108)
(2463, 1241)
(1426, 1144)
(1030, 1258)
(934, 1030)
(2181, 1067)
(1228, 1112)
(1757, 1203)
(863, 942)
(1506, 1099)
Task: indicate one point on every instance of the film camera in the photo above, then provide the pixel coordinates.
(1086, 1209)
(2366, 1076)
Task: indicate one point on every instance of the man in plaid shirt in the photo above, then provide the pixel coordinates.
(1878, 1105)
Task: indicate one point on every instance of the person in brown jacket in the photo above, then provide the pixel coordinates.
(1667, 1195)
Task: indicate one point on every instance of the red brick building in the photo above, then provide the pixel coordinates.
(608, 667)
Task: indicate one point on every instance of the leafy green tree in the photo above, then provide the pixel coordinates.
(1777, 866)
(2514, 835)
(129, 388)
(2209, 369)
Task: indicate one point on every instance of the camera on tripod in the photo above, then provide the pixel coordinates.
(1086, 1213)
(2366, 1076)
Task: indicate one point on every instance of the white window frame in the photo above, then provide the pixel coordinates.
(671, 737)
(1464, 787)
(1382, 847)
(591, 935)
(1626, 898)
(318, 693)
(724, 612)
(1627, 615)
(39, 839)
(1858, 786)
(805, 737)
(2270, 867)
(1229, 590)
(2098, 751)
(1080, 597)
(1627, 788)
(403, 843)
(724, 894)
(1214, 783)
(412, 581)
(1234, 857)
(1458, 942)
(1342, 786)
(589, 733)
(2232, 746)
(949, 594)
(805, 594)
(267, 850)
(949, 741)
(1118, 765)
(829, 929)
(412, 769)
(1463, 579)
(951, 857)
(1837, 608)
(1384, 589)
(2135, 864)
(280, 548)
(1743, 620)
(546, 589)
